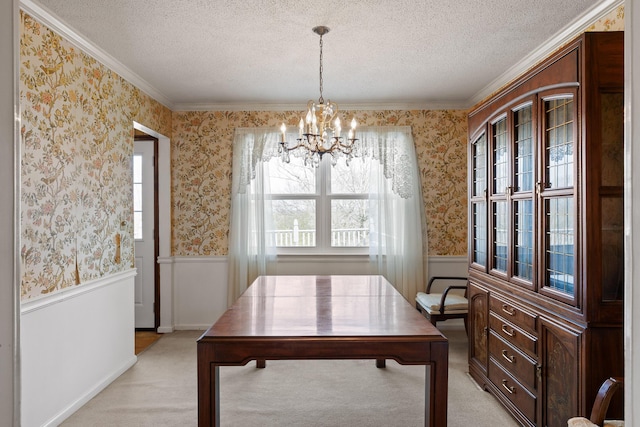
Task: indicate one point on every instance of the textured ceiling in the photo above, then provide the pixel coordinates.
(258, 52)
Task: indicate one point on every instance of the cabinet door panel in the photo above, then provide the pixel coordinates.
(560, 362)
(478, 326)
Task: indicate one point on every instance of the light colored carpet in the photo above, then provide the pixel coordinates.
(161, 390)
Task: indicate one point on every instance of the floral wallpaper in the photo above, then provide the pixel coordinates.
(613, 21)
(201, 159)
(77, 144)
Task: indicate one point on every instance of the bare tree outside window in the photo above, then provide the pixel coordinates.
(329, 198)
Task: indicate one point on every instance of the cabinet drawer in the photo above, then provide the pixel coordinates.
(513, 360)
(513, 390)
(512, 313)
(514, 335)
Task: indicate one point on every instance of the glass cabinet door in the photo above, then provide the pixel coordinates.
(522, 197)
(556, 190)
(512, 195)
(500, 188)
(479, 201)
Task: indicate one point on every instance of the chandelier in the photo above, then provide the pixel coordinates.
(320, 131)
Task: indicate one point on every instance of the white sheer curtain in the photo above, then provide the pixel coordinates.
(250, 255)
(398, 238)
(397, 221)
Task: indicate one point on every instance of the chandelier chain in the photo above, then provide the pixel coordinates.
(321, 99)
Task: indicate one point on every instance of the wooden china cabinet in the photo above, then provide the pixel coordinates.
(546, 234)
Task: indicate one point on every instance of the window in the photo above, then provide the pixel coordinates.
(137, 196)
(373, 207)
(318, 209)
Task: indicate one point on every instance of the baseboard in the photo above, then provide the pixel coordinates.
(66, 413)
(165, 329)
(202, 327)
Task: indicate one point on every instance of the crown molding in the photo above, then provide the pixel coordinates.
(559, 39)
(57, 25)
(391, 106)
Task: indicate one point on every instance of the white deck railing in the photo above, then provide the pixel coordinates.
(354, 237)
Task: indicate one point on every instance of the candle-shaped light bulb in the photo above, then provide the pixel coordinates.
(283, 129)
(301, 126)
(352, 132)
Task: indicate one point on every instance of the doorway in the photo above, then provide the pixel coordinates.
(145, 201)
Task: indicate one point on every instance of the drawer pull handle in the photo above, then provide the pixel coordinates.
(511, 390)
(506, 330)
(509, 310)
(510, 359)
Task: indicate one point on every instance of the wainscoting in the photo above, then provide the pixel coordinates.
(76, 342)
(73, 344)
(198, 285)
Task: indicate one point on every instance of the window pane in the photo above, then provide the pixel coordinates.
(289, 178)
(294, 223)
(349, 223)
(500, 233)
(480, 233)
(559, 270)
(524, 239)
(137, 168)
(500, 160)
(524, 149)
(479, 166)
(352, 179)
(137, 225)
(137, 196)
(559, 144)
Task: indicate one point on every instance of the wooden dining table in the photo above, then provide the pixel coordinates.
(322, 317)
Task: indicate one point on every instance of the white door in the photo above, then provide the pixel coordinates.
(143, 224)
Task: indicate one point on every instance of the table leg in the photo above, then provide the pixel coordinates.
(261, 363)
(381, 363)
(428, 403)
(437, 386)
(215, 409)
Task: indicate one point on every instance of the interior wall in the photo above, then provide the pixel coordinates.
(76, 228)
(9, 318)
(201, 158)
(632, 213)
(76, 180)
